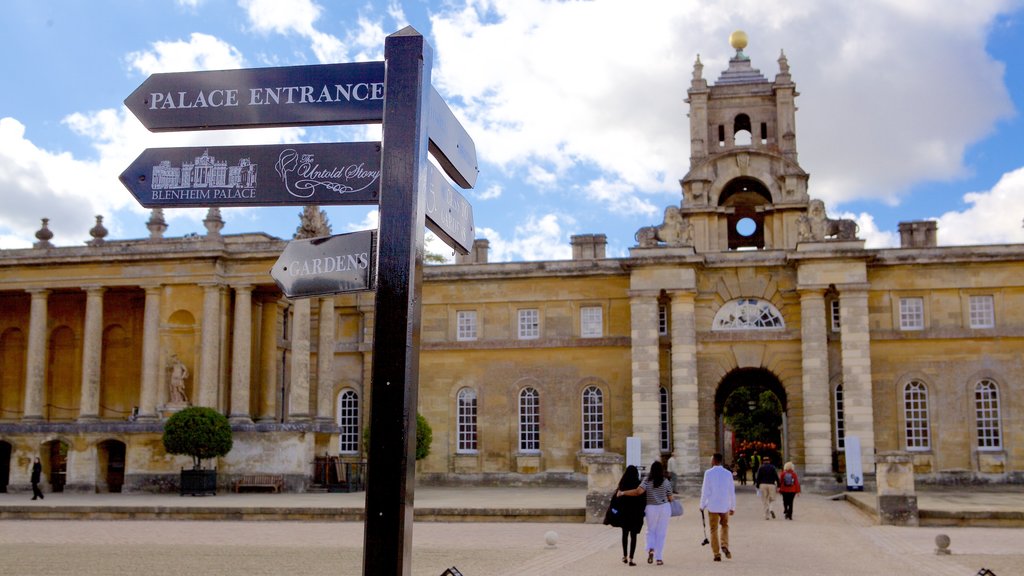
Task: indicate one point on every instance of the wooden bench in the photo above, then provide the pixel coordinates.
(272, 481)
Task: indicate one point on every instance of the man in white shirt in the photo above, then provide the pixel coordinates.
(718, 498)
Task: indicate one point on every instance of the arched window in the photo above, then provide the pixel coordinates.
(748, 314)
(467, 433)
(840, 420)
(915, 411)
(593, 419)
(666, 445)
(986, 415)
(348, 422)
(529, 420)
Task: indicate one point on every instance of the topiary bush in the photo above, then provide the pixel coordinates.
(199, 432)
(424, 436)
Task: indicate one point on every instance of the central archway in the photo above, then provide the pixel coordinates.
(750, 406)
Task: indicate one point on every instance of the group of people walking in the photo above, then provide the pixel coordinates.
(650, 500)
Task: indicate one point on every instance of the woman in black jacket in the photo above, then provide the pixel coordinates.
(627, 512)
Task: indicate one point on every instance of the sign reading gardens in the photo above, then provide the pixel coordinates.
(393, 174)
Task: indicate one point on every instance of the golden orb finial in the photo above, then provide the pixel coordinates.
(738, 40)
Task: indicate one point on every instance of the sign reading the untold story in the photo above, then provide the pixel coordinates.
(448, 213)
(272, 175)
(328, 265)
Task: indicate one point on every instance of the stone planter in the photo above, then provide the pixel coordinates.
(199, 482)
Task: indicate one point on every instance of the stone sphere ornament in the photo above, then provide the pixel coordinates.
(738, 40)
(942, 544)
(551, 538)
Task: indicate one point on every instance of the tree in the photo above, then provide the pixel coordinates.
(199, 432)
(424, 436)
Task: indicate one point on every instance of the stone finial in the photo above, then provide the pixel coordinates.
(783, 63)
(44, 235)
(156, 224)
(698, 69)
(312, 223)
(98, 232)
(942, 544)
(214, 223)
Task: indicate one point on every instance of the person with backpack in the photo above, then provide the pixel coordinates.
(789, 487)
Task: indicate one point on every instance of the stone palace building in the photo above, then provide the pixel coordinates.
(529, 369)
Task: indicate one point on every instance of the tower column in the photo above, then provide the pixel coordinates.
(646, 372)
(210, 342)
(35, 373)
(298, 390)
(92, 355)
(816, 399)
(858, 409)
(150, 354)
(241, 355)
(267, 405)
(685, 397)
(325, 376)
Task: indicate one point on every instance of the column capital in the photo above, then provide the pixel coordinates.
(852, 288)
(149, 288)
(681, 294)
(38, 292)
(643, 294)
(94, 288)
(811, 292)
(243, 286)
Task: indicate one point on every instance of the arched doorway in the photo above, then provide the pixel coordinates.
(745, 197)
(55, 464)
(110, 458)
(5, 465)
(750, 414)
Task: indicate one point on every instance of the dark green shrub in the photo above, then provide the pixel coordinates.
(424, 436)
(201, 433)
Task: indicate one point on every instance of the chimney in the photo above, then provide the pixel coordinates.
(588, 246)
(477, 255)
(919, 234)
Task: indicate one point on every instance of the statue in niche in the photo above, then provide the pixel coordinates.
(675, 230)
(815, 226)
(179, 372)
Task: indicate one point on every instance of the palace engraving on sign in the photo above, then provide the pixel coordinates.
(448, 213)
(272, 175)
(328, 265)
(350, 93)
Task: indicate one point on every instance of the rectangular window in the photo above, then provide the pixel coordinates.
(666, 445)
(986, 412)
(467, 438)
(593, 420)
(840, 420)
(915, 406)
(911, 313)
(591, 322)
(982, 312)
(529, 421)
(834, 309)
(529, 324)
(466, 321)
(662, 320)
(348, 422)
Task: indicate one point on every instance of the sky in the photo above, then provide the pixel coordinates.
(577, 108)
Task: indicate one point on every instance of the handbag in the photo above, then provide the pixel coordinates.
(613, 517)
(677, 507)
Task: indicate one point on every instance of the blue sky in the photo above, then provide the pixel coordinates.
(906, 112)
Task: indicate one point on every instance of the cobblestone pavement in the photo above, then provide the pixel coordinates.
(826, 538)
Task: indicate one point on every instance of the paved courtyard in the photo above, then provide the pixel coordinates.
(827, 537)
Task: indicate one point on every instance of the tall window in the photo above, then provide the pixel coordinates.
(982, 312)
(467, 436)
(593, 419)
(662, 320)
(529, 324)
(666, 446)
(591, 322)
(834, 313)
(915, 410)
(466, 321)
(986, 415)
(840, 420)
(911, 313)
(529, 420)
(348, 422)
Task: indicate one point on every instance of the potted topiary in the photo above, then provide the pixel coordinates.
(201, 433)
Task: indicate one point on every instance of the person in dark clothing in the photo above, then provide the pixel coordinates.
(37, 473)
(630, 513)
(741, 469)
(767, 482)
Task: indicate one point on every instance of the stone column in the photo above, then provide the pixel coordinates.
(685, 397)
(35, 373)
(268, 361)
(897, 499)
(298, 391)
(325, 377)
(645, 371)
(858, 410)
(92, 355)
(241, 355)
(817, 398)
(150, 354)
(210, 343)
(603, 473)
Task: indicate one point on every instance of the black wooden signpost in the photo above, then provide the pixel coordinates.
(396, 92)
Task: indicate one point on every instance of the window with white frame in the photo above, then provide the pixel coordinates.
(911, 313)
(839, 418)
(986, 415)
(662, 320)
(591, 322)
(593, 419)
(348, 422)
(529, 420)
(529, 324)
(982, 311)
(466, 324)
(466, 418)
(834, 314)
(915, 412)
(666, 446)
(748, 314)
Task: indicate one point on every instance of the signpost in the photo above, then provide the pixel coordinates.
(393, 174)
(281, 174)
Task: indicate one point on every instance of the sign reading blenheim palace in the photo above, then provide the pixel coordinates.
(529, 371)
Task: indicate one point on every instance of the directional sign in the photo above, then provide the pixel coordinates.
(450, 143)
(328, 265)
(449, 214)
(350, 93)
(280, 174)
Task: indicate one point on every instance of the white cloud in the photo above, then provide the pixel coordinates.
(491, 193)
(993, 217)
(536, 239)
(200, 52)
(869, 232)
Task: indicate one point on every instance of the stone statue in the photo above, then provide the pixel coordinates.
(815, 226)
(675, 230)
(179, 372)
